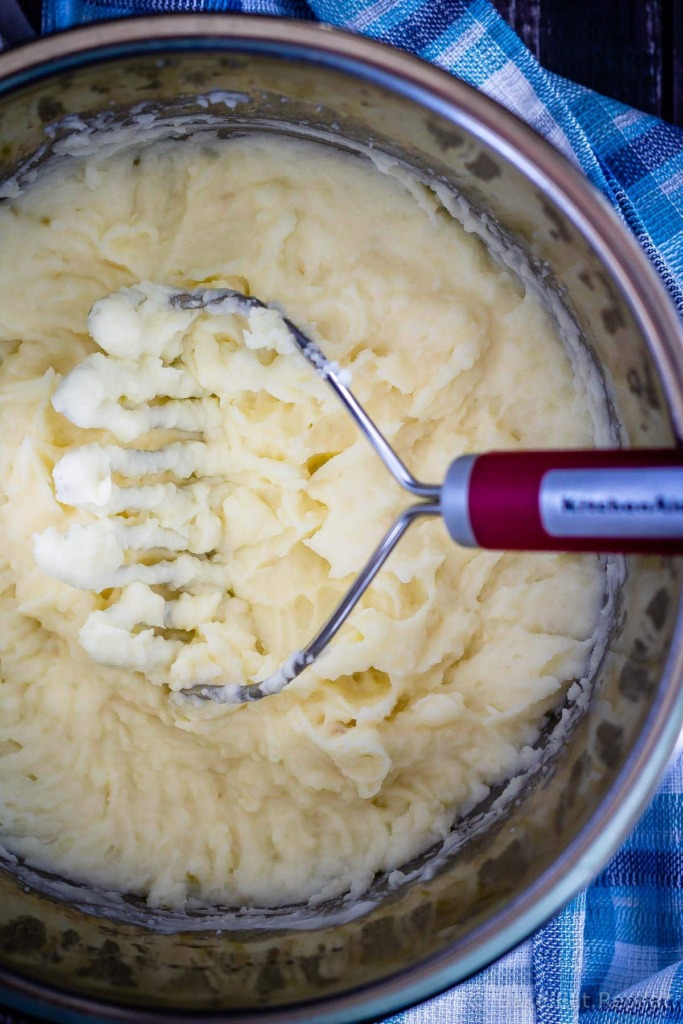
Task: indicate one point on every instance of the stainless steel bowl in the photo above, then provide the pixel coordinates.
(76, 955)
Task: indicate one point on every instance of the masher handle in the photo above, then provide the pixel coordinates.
(624, 500)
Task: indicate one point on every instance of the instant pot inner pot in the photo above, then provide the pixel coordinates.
(114, 949)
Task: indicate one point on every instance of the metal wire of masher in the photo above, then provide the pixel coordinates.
(215, 300)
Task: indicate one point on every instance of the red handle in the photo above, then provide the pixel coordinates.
(625, 500)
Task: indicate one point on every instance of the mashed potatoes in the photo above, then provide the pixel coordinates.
(441, 677)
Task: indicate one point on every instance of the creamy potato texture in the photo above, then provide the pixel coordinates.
(266, 508)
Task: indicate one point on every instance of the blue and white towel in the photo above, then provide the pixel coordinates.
(615, 954)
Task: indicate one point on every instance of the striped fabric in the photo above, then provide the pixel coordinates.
(615, 954)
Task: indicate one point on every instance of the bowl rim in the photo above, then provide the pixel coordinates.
(594, 219)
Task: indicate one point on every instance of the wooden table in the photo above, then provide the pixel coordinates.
(629, 49)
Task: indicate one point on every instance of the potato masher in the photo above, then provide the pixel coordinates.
(623, 500)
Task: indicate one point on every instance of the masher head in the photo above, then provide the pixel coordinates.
(228, 300)
(140, 504)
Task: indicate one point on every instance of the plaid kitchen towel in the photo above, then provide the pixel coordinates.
(615, 954)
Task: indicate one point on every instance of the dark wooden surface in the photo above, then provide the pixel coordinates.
(629, 49)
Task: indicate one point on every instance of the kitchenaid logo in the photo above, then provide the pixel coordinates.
(655, 506)
(612, 502)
